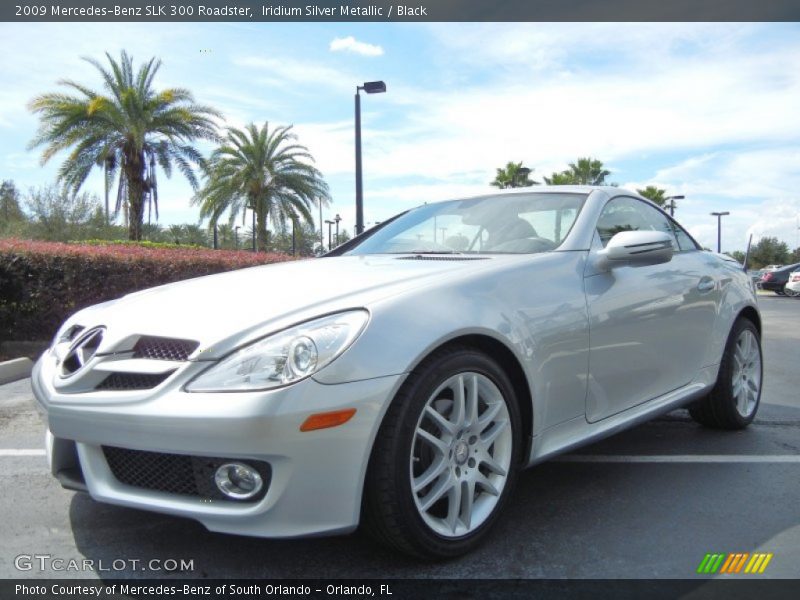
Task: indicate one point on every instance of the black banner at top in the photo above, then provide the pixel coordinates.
(400, 11)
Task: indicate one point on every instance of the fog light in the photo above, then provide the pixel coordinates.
(238, 481)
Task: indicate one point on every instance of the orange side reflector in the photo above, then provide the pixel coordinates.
(327, 419)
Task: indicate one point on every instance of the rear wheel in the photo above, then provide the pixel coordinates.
(733, 402)
(446, 456)
(791, 293)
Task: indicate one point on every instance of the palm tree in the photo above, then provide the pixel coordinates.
(588, 171)
(563, 178)
(262, 170)
(654, 194)
(129, 127)
(513, 175)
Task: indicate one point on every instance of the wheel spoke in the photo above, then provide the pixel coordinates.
(432, 473)
(433, 441)
(488, 486)
(472, 401)
(440, 420)
(488, 437)
(459, 403)
(488, 460)
(467, 497)
(440, 489)
(488, 415)
(453, 506)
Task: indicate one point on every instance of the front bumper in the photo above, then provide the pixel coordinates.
(317, 476)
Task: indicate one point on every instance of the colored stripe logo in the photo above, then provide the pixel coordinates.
(733, 563)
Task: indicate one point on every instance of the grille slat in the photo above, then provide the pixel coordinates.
(179, 474)
(159, 348)
(122, 382)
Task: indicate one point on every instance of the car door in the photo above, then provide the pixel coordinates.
(649, 325)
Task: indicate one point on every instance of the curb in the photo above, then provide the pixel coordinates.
(14, 370)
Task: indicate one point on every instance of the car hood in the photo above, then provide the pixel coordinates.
(224, 310)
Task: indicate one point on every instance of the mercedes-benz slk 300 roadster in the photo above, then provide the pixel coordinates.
(403, 381)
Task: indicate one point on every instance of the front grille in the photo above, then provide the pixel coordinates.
(175, 473)
(121, 382)
(158, 348)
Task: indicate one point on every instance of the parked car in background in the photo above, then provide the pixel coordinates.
(755, 275)
(772, 267)
(775, 281)
(792, 287)
(403, 380)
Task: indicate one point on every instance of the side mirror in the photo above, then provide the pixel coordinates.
(635, 249)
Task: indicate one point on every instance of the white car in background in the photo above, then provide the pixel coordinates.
(793, 284)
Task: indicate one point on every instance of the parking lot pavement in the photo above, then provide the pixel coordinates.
(650, 502)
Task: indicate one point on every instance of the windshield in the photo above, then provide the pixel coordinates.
(503, 224)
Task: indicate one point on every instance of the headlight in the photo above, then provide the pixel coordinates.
(284, 357)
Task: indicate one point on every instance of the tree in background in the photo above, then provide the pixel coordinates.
(513, 175)
(60, 215)
(11, 215)
(129, 128)
(563, 178)
(584, 171)
(769, 251)
(654, 194)
(263, 170)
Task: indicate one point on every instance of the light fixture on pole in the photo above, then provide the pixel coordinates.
(369, 87)
(719, 216)
(671, 204)
(520, 176)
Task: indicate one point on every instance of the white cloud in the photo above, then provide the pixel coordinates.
(351, 44)
(285, 71)
(758, 188)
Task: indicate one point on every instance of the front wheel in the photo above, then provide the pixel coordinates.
(791, 293)
(446, 456)
(733, 402)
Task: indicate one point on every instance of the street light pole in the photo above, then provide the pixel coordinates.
(294, 243)
(330, 224)
(236, 237)
(719, 216)
(671, 205)
(254, 228)
(336, 220)
(369, 87)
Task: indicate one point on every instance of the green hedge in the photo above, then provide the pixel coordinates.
(42, 283)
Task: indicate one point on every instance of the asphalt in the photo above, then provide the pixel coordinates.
(674, 492)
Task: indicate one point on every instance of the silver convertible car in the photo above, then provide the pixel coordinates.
(403, 381)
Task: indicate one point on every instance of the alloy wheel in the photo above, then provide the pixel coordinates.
(746, 378)
(461, 454)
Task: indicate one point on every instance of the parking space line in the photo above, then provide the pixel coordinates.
(24, 452)
(680, 458)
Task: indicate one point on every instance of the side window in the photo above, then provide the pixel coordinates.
(630, 214)
(685, 241)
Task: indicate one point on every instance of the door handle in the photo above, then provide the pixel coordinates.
(706, 285)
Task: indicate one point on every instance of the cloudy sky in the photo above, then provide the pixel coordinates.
(708, 111)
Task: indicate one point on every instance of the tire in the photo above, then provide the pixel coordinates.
(734, 401)
(448, 453)
(780, 292)
(791, 293)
